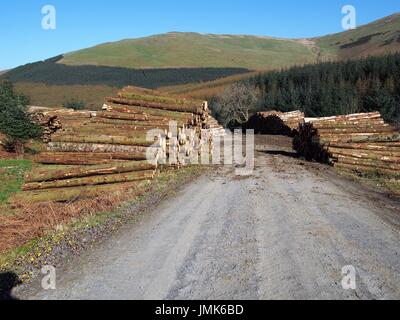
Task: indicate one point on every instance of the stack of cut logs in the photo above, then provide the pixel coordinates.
(361, 143)
(275, 122)
(47, 119)
(136, 131)
(215, 128)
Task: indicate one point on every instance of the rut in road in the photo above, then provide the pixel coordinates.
(285, 232)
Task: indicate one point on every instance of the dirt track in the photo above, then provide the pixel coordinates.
(283, 233)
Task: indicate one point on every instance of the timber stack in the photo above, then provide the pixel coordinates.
(136, 133)
(215, 128)
(47, 119)
(275, 122)
(360, 143)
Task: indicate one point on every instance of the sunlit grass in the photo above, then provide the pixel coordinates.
(12, 177)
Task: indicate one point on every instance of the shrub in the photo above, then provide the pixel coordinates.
(74, 104)
(15, 122)
(235, 106)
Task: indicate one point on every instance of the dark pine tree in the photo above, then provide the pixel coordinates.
(15, 122)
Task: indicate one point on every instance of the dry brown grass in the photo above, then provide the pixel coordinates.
(53, 96)
(209, 89)
(31, 221)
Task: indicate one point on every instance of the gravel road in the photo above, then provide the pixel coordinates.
(285, 232)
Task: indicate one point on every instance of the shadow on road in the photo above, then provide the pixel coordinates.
(8, 280)
(280, 153)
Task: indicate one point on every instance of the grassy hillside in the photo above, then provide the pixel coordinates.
(54, 96)
(199, 65)
(376, 38)
(207, 90)
(176, 50)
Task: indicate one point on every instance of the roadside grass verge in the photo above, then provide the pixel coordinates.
(37, 231)
(387, 183)
(391, 183)
(12, 177)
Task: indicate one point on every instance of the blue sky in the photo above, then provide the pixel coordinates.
(82, 24)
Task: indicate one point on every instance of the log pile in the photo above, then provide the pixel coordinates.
(216, 129)
(49, 122)
(361, 143)
(275, 122)
(141, 110)
(125, 143)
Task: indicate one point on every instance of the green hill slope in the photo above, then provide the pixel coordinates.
(376, 38)
(196, 50)
(176, 49)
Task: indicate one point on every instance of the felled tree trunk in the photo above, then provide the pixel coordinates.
(137, 140)
(83, 158)
(92, 180)
(80, 172)
(93, 147)
(73, 193)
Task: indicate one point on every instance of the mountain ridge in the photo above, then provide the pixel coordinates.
(193, 50)
(255, 52)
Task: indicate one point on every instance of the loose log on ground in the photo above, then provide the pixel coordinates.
(40, 175)
(91, 181)
(74, 193)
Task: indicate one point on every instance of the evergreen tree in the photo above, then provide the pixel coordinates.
(334, 88)
(380, 99)
(15, 122)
